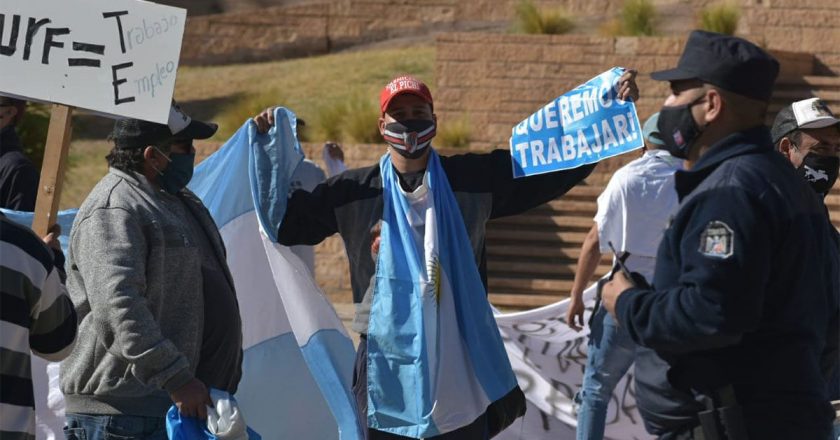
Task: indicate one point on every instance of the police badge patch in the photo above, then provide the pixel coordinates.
(717, 241)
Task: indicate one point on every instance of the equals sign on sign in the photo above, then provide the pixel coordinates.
(89, 48)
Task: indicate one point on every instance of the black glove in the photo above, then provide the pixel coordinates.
(639, 281)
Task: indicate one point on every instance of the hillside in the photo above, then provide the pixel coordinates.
(230, 94)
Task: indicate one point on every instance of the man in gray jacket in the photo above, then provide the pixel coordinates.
(158, 317)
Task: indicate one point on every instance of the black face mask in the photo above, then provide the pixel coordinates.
(410, 138)
(678, 129)
(820, 171)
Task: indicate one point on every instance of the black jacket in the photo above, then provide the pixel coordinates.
(745, 290)
(351, 204)
(18, 176)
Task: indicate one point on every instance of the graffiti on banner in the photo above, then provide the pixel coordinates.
(549, 359)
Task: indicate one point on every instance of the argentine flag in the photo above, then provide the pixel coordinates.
(436, 361)
(298, 358)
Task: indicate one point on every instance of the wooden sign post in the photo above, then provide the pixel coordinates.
(52, 171)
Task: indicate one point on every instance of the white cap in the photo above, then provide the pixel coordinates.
(813, 113)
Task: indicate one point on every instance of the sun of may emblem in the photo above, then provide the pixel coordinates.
(434, 277)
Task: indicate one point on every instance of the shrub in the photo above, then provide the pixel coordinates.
(361, 122)
(32, 130)
(638, 18)
(329, 119)
(454, 133)
(530, 20)
(721, 18)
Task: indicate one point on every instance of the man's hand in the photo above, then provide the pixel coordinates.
(612, 290)
(264, 120)
(51, 239)
(334, 150)
(574, 315)
(627, 87)
(192, 399)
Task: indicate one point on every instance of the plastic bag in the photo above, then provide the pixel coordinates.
(224, 422)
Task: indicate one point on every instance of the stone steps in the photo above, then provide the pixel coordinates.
(532, 257)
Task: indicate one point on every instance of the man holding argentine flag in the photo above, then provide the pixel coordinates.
(431, 363)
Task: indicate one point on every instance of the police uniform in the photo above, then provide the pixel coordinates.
(745, 277)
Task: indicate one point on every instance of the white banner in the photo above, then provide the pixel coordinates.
(115, 57)
(548, 358)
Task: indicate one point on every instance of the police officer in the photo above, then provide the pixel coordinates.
(747, 273)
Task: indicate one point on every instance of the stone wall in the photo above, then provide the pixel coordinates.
(811, 26)
(273, 29)
(313, 28)
(497, 80)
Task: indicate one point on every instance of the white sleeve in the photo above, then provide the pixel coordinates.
(610, 216)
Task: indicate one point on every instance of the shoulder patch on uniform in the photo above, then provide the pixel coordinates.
(717, 241)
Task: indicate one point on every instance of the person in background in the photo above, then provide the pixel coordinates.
(633, 212)
(807, 133)
(18, 175)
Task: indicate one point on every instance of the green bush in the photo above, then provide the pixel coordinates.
(530, 20)
(329, 119)
(638, 18)
(454, 133)
(32, 130)
(361, 122)
(721, 18)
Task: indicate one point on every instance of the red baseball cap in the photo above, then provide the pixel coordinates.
(401, 85)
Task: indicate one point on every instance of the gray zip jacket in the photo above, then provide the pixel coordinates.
(135, 279)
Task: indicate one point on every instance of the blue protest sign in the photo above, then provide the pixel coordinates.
(583, 126)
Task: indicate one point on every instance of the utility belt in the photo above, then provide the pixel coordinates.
(722, 419)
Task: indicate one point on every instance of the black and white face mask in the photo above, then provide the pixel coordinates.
(410, 138)
(820, 171)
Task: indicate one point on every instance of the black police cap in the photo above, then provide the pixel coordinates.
(728, 62)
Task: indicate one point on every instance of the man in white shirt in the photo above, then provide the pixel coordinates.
(633, 212)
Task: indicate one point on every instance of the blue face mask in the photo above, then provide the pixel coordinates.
(179, 172)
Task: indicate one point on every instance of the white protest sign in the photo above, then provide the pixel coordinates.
(549, 358)
(115, 57)
(583, 126)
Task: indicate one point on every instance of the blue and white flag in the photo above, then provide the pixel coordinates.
(583, 126)
(298, 358)
(436, 360)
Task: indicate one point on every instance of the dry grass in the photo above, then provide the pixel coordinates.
(721, 18)
(636, 18)
(454, 133)
(533, 20)
(307, 85)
